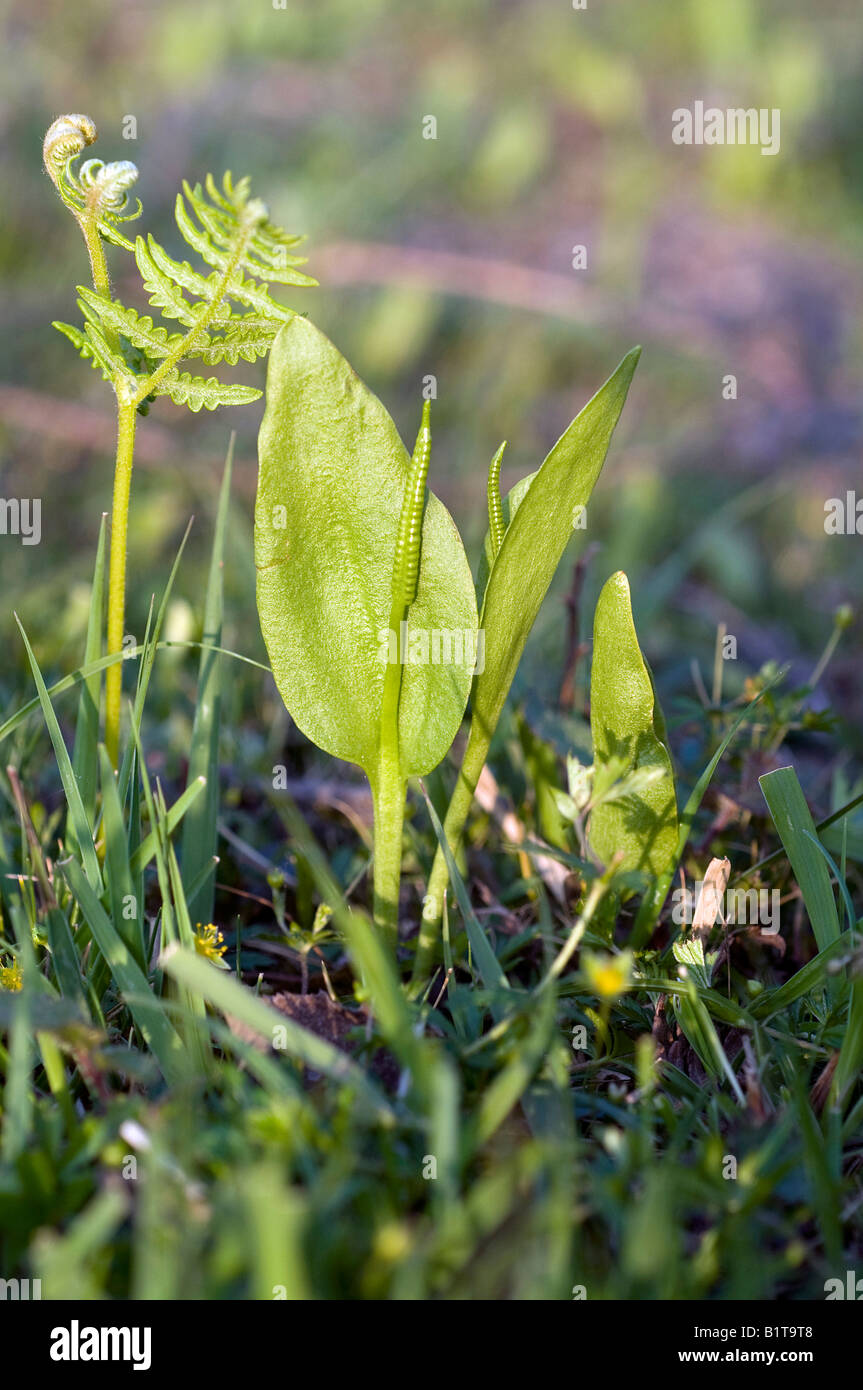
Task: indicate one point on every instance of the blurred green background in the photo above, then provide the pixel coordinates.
(453, 257)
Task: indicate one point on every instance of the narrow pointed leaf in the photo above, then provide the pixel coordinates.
(541, 525)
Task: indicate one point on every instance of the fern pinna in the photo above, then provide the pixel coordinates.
(225, 314)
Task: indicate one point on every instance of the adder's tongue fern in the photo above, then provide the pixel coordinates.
(232, 234)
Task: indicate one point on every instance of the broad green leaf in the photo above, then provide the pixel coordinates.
(330, 491)
(541, 524)
(641, 823)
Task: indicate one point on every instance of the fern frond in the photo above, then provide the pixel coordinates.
(199, 392)
(263, 252)
(232, 233)
(92, 346)
(248, 338)
(154, 340)
(164, 280)
(84, 347)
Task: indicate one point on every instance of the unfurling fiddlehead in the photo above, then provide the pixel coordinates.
(97, 194)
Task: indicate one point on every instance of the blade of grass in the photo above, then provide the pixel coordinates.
(509, 1085)
(78, 816)
(127, 909)
(199, 1042)
(276, 1221)
(75, 678)
(200, 829)
(850, 1062)
(66, 1260)
(147, 1012)
(839, 875)
(490, 969)
(803, 981)
(825, 1191)
(700, 1030)
(84, 750)
(370, 956)
(141, 857)
(819, 826)
(18, 1093)
(159, 841)
(236, 1001)
(148, 656)
(793, 820)
(65, 958)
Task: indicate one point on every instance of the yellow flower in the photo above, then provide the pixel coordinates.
(10, 976)
(209, 942)
(608, 976)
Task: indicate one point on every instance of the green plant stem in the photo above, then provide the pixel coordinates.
(389, 801)
(457, 812)
(98, 269)
(98, 264)
(126, 420)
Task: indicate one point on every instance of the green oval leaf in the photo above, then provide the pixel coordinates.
(638, 810)
(330, 489)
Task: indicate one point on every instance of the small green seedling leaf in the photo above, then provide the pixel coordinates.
(640, 825)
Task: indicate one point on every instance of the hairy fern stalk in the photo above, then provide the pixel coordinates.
(224, 314)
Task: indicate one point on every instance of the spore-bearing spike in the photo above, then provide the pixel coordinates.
(409, 542)
(496, 526)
